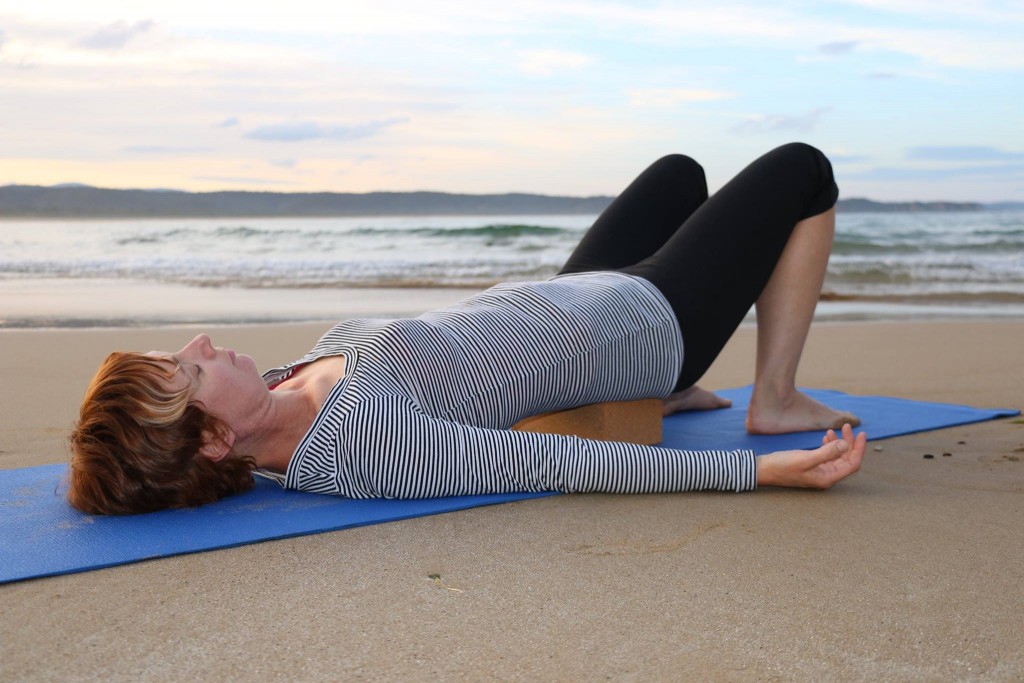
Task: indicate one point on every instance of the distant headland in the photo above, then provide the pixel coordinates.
(79, 201)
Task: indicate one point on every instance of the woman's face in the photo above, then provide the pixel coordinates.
(226, 384)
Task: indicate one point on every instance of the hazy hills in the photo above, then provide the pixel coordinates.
(79, 201)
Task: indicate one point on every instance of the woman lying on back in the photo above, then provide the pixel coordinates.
(422, 407)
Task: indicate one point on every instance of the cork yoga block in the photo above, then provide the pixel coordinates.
(630, 421)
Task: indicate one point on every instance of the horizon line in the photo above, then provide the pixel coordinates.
(73, 185)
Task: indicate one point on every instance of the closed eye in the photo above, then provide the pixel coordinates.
(196, 370)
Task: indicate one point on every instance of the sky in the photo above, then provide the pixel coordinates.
(910, 99)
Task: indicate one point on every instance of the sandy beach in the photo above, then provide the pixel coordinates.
(910, 570)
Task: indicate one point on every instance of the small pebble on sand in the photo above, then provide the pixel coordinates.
(961, 442)
(878, 448)
(929, 456)
(947, 455)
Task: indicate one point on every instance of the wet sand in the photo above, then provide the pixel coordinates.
(910, 570)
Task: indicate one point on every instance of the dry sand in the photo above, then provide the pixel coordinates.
(910, 570)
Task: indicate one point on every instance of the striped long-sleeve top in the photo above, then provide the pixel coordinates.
(425, 405)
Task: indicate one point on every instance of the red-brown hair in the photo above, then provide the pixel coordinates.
(135, 447)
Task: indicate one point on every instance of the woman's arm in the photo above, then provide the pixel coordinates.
(393, 450)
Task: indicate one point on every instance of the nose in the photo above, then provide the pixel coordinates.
(201, 346)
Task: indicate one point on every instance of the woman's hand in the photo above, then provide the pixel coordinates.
(818, 469)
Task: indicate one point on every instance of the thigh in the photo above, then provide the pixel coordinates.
(641, 219)
(715, 266)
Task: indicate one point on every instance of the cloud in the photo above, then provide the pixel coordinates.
(283, 163)
(962, 153)
(664, 97)
(1, 39)
(310, 130)
(114, 36)
(550, 62)
(971, 11)
(228, 122)
(838, 48)
(952, 46)
(882, 74)
(161, 149)
(766, 123)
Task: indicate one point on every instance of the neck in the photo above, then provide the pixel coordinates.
(279, 429)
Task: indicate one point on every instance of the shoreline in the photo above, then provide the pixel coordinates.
(57, 303)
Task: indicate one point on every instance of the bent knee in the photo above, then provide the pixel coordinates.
(802, 150)
(804, 161)
(680, 165)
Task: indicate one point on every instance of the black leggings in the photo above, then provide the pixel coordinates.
(711, 258)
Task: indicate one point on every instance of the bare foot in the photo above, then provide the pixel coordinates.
(694, 398)
(796, 413)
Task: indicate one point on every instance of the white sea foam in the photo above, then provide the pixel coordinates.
(966, 262)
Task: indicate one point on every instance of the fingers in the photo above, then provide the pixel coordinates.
(848, 432)
(856, 444)
(860, 445)
(849, 447)
(851, 458)
(827, 453)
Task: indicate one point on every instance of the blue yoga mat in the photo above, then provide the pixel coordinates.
(882, 416)
(41, 535)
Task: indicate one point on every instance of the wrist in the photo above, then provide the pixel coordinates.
(764, 470)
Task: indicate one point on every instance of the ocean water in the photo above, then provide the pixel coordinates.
(883, 264)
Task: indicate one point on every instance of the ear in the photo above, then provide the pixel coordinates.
(217, 446)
